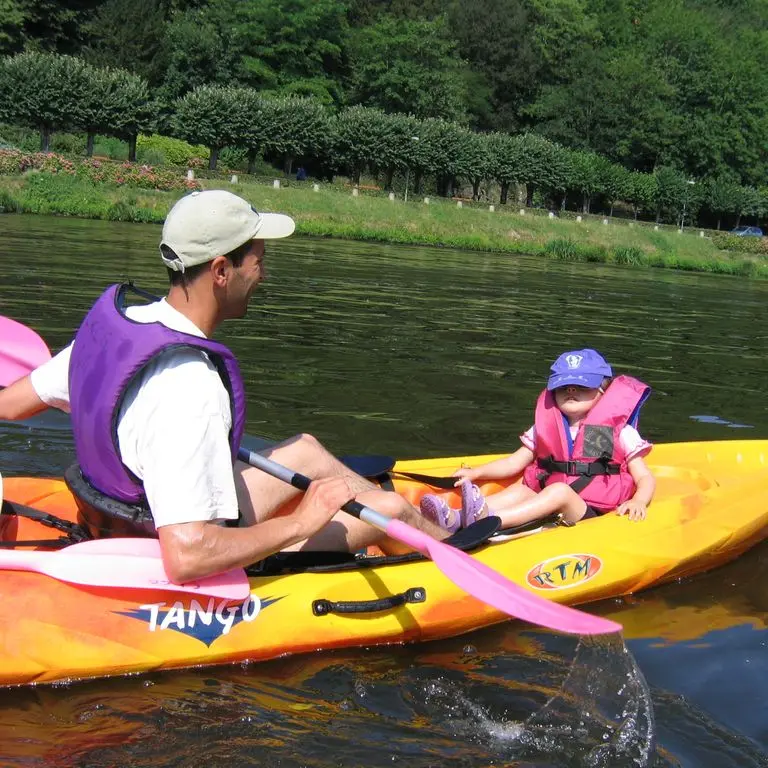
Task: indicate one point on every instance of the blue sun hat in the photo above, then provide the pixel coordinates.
(582, 367)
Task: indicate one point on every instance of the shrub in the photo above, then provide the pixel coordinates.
(120, 211)
(562, 249)
(173, 151)
(8, 203)
(628, 255)
(596, 254)
(728, 242)
(233, 158)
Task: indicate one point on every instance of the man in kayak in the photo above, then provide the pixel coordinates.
(158, 409)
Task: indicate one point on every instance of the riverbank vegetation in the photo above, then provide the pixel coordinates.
(334, 211)
(582, 104)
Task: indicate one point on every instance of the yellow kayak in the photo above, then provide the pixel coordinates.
(711, 505)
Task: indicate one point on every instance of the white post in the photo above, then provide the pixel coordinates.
(605, 221)
(315, 187)
(701, 233)
(655, 227)
(391, 197)
(355, 191)
(426, 201)
(458, 204)
(578, 219)
(233, 180)
(190, 174)
(522, 211)
(551, 215)
(491, 208)
(276, 183)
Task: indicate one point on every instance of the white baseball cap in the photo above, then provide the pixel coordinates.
(211, 223)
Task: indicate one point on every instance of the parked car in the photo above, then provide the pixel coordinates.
(747, 232)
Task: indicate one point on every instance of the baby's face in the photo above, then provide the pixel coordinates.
(574, 401)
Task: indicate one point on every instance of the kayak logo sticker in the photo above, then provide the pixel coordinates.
(206, 623)
(564, 571)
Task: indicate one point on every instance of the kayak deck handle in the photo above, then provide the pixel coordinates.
(413, 595)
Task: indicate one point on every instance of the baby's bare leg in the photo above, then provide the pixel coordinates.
(522, 507)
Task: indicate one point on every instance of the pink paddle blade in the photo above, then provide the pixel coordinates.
(496, 590)
(233, 584)
(79, 564)
(21, 351)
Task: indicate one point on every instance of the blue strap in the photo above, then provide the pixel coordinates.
(635, 415)
(567, 428)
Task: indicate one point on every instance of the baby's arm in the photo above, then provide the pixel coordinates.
(645, 485)
(499, 468)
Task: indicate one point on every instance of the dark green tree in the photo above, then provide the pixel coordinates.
(495, 38)
(292, 46)
(407, 66)
(12, 16)
(129, 34)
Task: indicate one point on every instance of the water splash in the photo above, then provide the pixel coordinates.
(606, 704)
(600, 715)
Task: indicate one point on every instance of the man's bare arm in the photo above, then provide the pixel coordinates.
(198, 549)
(20, 401)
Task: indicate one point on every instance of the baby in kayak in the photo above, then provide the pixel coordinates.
(582, 458)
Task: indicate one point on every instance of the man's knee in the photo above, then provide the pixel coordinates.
(386, 503)
(301, 445)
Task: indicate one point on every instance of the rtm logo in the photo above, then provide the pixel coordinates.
(205, 624)
(564, 571)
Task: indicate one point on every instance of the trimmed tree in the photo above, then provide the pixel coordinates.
(209, 115)
(44, 91)
(357, 133)
(293, 127)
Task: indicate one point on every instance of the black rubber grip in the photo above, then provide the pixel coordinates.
(412, 595)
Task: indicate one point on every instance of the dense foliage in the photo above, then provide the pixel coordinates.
(649, 94)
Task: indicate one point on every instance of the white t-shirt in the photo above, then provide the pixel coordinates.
(173, 426)
(631, 443)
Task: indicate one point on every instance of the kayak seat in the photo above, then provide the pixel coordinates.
(104, 517)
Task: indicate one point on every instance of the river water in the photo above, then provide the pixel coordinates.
(421, 352)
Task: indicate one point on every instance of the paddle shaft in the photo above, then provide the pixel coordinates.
(302, 482)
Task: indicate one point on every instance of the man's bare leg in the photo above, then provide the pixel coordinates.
(260, 496)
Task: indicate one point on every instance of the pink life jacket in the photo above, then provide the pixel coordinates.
(593, 464)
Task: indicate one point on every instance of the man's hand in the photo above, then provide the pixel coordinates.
(321, 502)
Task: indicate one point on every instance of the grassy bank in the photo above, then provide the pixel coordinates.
(334, 212)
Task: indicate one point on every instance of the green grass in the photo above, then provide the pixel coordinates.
(334, 212)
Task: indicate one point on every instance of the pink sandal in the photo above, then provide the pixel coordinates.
(436, 509)
(473, 506)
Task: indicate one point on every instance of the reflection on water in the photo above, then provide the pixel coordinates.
(469, 704)
(418, 352)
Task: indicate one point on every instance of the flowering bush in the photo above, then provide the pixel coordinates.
(728, 242)
(14, 161)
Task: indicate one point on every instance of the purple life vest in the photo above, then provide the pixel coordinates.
(109, 353)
